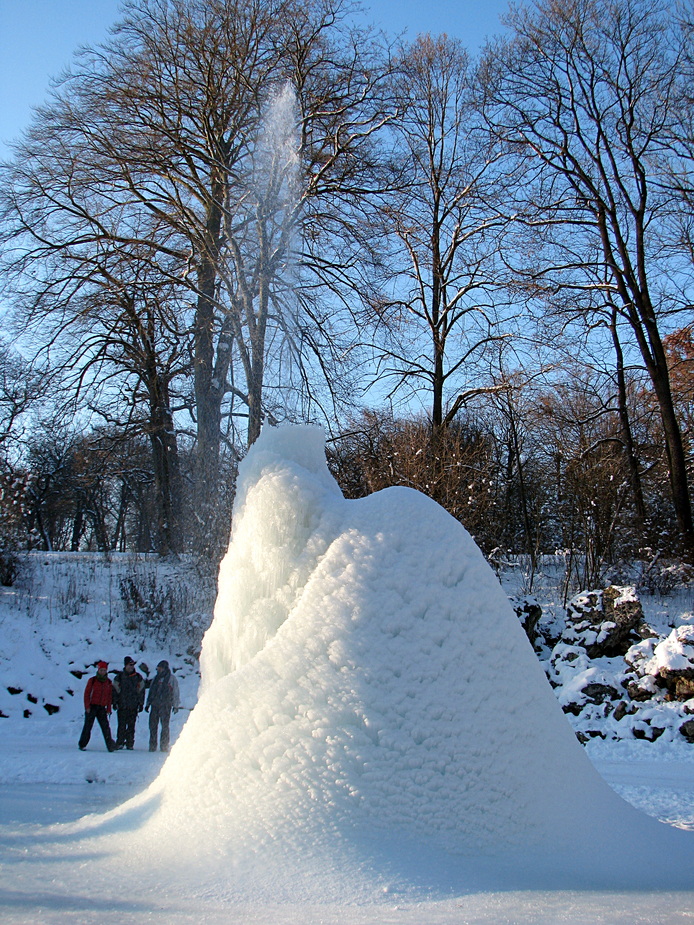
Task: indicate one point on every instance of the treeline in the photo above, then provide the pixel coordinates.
(539, 469)
(96, 490)
(475, 272)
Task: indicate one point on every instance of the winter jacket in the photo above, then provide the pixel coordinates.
(163, 692)
(128, 690)
(98, 693)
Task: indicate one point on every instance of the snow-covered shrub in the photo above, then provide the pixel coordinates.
(164, 601)
(662, 577)
(72, 598)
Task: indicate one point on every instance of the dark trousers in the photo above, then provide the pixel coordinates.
(127, 717)
(159, 715)
(100, 714)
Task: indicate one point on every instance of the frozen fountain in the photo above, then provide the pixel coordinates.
(372, 716)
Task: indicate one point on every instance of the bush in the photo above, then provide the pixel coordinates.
(158, 604)
(9, 567)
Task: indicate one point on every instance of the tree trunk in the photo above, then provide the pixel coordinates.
(625, 426)
(167, 481)
(208, 393)
(642, 318)
(77, 529)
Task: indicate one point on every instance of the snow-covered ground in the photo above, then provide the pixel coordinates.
(373, 742)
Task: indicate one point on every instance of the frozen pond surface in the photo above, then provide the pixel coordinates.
(664, 789)
(47, 804)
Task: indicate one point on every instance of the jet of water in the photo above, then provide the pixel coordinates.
(276, 174)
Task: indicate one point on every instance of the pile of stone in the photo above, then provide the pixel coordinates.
(613, 675)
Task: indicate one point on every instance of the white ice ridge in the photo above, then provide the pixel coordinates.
(372, 716)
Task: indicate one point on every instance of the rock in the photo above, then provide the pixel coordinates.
(646, 632)
(589, 734)
(648, 732)
(643, 689)
(622, 710)
(673, 663)
(687, 730)
(604, 622)
(599, 693)
(684, 688)
(640, 654)
(529, 612)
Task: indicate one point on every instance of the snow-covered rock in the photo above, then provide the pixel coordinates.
(529, 613)
(673, 662)
(604, 621)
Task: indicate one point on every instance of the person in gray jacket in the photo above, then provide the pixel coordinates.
(162, 699)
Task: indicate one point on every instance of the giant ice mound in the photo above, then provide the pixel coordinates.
(372, 715)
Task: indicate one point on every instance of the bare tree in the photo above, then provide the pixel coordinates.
(22, 388)
(441, 231)
(586, 92)
(153, 149)
(104, 312)
(379, 450)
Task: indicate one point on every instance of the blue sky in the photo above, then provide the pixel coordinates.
(38, 37)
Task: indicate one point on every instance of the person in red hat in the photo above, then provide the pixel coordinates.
(98, 697)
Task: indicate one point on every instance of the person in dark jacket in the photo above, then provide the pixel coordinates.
(128, 700)
(98, 697)
(163, 697)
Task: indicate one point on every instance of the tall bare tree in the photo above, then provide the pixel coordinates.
(153, 146)
(442, 230)
(587, 93)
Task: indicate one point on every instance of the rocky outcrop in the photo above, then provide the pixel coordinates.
(605, 623)
(671, 663)
(614, 676)
(529, 613)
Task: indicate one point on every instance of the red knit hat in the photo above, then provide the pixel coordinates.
(102, 664)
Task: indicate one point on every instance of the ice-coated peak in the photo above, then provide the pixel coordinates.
(303, 445)
(283, 521)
